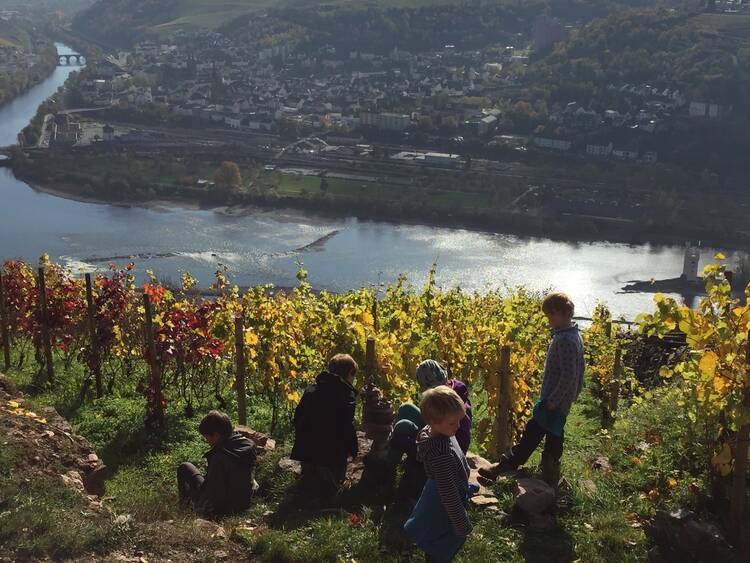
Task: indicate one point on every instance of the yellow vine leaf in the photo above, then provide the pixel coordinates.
(708, 364)
(722, 461)
(293, 397)
(251, 339)
(720, 256)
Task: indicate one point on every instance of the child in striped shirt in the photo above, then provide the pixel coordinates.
(439, 523)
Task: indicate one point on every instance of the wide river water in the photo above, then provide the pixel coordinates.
(266, 247)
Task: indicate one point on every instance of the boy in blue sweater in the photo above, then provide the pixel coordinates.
(561, 385)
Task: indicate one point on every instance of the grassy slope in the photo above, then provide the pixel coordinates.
(736, 26)
(281, 527)
(211, 13)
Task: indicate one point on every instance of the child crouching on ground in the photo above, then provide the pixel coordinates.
(439, 523)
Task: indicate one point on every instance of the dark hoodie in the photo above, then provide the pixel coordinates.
(228, 487)
(324, 423)
(464, 430)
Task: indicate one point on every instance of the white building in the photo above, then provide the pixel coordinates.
(385, 121)
(708, 110)
(441, 158)
(690, 262)
(554, 144)
(599, 150)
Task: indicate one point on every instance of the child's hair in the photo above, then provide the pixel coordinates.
(558, 302)
(439, 403)
(216, 422)
(342, 365)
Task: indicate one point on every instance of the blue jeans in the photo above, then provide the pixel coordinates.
(430, 527)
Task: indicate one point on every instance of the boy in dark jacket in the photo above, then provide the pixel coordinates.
(561, 385)
(325, 437)
(227, 487)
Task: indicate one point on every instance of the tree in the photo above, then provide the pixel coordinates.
(323, 185)
(227, 174)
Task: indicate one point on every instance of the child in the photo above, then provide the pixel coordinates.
(439, 523)
(409, 420)
(325, 436)
(561, 385)
(227, 487)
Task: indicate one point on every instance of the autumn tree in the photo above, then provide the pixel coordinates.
(227, 174)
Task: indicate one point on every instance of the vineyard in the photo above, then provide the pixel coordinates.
(181, 352)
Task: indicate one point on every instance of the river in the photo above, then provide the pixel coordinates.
(266, 247)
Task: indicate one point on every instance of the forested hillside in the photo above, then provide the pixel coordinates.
(385, 22)
(30, 58)
(691, 53)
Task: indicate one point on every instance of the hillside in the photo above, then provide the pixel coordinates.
(123, 21)
(28, 57)
(641, 476)
(705, 56)
(58, 9)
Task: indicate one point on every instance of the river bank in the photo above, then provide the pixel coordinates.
(266, 243)
(578, 228)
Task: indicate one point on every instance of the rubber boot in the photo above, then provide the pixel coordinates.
(551, 471)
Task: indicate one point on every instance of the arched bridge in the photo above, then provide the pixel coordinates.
(71, 59)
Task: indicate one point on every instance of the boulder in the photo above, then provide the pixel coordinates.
(681, 537)
(483, 501)
(536, 500)
(263, 442)
(73, 480)
(601, 463)
(476, 461)
(290, 465)
(209, 529)
(588, 487)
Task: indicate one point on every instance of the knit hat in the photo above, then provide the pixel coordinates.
(431, 374)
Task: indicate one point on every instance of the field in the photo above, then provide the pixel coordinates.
(296, 185)
(735, 26)
(210, 13)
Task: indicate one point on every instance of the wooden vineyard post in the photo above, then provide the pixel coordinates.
(239, 356)
(504, 403)
(370, 363)
(5, 333)
(155, 415)
(43, 323)
(97, 368)
(739, 479)
(375, 315)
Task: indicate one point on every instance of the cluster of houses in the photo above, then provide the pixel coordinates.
(628, 152)
(205, 75)
(650, 110)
